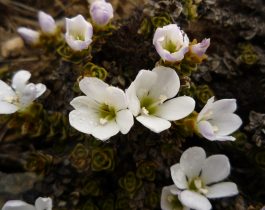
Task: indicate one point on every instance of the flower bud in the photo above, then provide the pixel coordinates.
(200, 48)
(47, 23)
(30, 36)
(101, 12)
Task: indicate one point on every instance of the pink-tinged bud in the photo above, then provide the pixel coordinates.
(101, 12)
(200, 48)
(47, 23)
(30, 36)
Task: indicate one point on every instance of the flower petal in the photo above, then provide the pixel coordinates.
(46, 22)
(224, 138)
(167, 83)
(40, 89)
(192, 160)
(224, 106)
(78, 33)
(215, 169)
(83, 121)
(124, 119)
(155, 124)
(43, 204)
(20, 80)
(226, 123)
(206, 108)
(101, 12)
(178, 176)
(30, 36)
(200, 48)
(176, 108)
(166, 193)
(104, 132)
(7, 108)
(116, 97)
(17, 205)
(144, 82)
(194, 200)
(94, 88)
(84, 103)
(206, 130)
(133, 101)
(223, 189)
(5, 90)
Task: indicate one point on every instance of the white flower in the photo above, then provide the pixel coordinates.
(101, 12)
(200, 48)
(30, 36)
(20, 95)
(47, 23)
(171, 43)
(78, 33)
(40, 204)
(151, 98)
(197, 177)
(217, 120)
(170, 200)
(102, 112)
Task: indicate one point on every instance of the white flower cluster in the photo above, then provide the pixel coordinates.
(40, 204)
(197, 178)
(79, 31)
(21, 93)
(151, 98)
(172, 44)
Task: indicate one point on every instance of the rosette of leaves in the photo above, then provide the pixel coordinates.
(93, 70)
(122, 202)
(89, 205)
(38, 162)
(130, 183)
(146, 170)
(190, 8)
(256, 127)
(247, 54)
(35, 122)
(260, 158)
(92, 187)
(108, 204)
(58, 126)
(75, 57)
(27, 123)
(186, 126)
(152, 200)
(80, 157)
(102, 159)
(202, 94)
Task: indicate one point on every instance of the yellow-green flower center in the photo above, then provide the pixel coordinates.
(149, 105)
(170, 46)
(197, 185)
(106, 113)
(79, 37)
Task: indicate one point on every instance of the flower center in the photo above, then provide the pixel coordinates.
(171, 46)
(197, 185)
(149, 105)
(12, 100)
(106, 113)
(79, 37)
